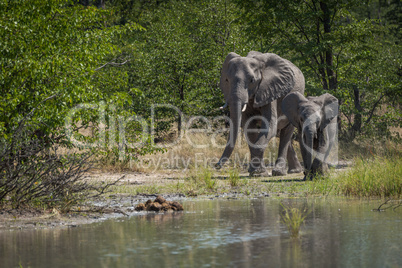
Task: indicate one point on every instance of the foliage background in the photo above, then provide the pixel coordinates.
(120, 57)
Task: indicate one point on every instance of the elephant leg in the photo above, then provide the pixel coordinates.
(268, 130)
(293, 161)
(252, 132)
(286, 151)
(318, 167)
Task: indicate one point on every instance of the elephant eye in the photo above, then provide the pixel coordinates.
(226, 80)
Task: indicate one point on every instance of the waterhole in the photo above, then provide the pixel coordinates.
(219, 233)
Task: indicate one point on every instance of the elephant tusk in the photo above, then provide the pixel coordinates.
(224, 106)
(244, 108)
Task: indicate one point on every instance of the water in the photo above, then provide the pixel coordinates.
(219, 233)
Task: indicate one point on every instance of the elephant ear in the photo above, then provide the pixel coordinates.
(223, 84)
(329, 108)
(291, 107)
(277, 78)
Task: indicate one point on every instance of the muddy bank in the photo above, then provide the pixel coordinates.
(101, 209)
(115, 206)
(136, 188)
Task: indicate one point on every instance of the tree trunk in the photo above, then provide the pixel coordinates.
(330, 74)
(357, 124)
(181, 95)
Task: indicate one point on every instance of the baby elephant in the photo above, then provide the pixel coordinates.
(316, 121)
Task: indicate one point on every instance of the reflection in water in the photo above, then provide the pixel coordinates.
(218, 233)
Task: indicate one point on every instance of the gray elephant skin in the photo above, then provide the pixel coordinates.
(253, 88)
(316, 121)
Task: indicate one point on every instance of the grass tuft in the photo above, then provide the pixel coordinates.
(234, 177)
(203, 178)
(377, 177)
(210, 183)
(293, 218)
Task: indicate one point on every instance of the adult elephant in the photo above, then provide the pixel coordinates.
(253, 87)
(316, 120)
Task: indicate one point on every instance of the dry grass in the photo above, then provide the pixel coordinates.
(199, 151)
(378, 177)
(368, 148)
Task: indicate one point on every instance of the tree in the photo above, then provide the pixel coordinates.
(334, 45)
(312, 32)
(52, 48)
(371, 91)
(63, 49)
(181, 53)
(53, 57)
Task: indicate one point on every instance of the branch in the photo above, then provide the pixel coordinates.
(337, 59)
(394, 206)
(301, 28)
(335, 11)
(348, 117)
(372, 110)
(111, 63)
(101, 190)
(313, 9)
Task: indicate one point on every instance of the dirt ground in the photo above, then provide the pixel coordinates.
(114, 206)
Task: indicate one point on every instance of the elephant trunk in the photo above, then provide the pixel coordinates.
(235, 118)
(307, 145)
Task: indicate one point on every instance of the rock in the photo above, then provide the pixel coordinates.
(176, 206)
(159, 204)
(165, 206)
(160, 200)
(140, 207)
(148, 204)
(155, 206)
